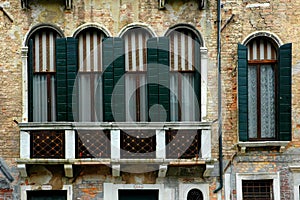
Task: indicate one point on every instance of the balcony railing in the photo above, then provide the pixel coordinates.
(114, 144)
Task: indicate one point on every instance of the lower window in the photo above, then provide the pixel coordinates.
(47, 195)
(257, 189)
(138, 194)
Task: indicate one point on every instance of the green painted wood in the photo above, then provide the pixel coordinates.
(284, 92)
(197, 79)
(113, 80)
(72, 66)
(30, 80)
(243, 92)
(61, 79)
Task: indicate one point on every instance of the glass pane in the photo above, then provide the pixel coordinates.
(89, 93)
(188, 97)
(267, 99)
(40, 95)
(252, 101)
(174, 96)
(135, 97)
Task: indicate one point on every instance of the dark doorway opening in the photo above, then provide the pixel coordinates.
(47, 195)
(138, 194)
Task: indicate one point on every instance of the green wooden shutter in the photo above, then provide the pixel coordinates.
(197, 79)
(72, 66)
(284, 92)
(30, 80)
(61, 79)
(66, 71)
(158, 62)
(113, 71)
(243, 92)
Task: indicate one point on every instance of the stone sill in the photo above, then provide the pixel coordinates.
(115, 164)
(257, 144)
(114, 125)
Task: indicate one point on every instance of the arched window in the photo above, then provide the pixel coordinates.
(262, 70)
(184, 75)
(89, 82)
(135, 78)
(195, 194)
(264, 90)
(42, 75)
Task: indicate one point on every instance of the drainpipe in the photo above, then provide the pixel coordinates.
(219, 97)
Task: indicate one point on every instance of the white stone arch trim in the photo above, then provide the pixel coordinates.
(184, 189)
(25, 188)
(189, 27)
(137, 25)
(24, 55)
(111, 190)
(39, 26)
(92, 25)
(258, 176)
(267, 34)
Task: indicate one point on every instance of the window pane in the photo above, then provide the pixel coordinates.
(135, 97)
(40, 96)
(89, 93)
(267, 99)
(257, 189)
(252, 101)
(183, 103)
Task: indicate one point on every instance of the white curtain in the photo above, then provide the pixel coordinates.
(40, 97)
(252, 101)
(89, 97)
(183, 97)
(267, 101)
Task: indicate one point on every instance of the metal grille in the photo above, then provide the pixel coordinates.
(47, 144)
(138, 144)
(195, 194)
(93, 144)
(257, 189)
(183, 144)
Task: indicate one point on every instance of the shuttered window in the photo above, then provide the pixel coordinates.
(42, 76)
(135, 78)
(184, 75)
(89, 81)
(260, 71)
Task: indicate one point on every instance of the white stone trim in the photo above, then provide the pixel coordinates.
(24, 145)
(91, 25)
(24, 56)
(268, 34)
(111, 190)
(185, 188)
(25, 188)
(203, 72)
(227, 186)
(258, 176)
(296, 178)
(70, 144)
(137, 25)
(206, 144)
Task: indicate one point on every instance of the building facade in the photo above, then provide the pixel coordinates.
(118, 100)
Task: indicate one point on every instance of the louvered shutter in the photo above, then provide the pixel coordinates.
(158, 78)
(284, 90)
(243, 92)
(113, 79)
(66, 71)
(30, 80)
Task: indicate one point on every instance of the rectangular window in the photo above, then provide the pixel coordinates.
(257, 189)
(138, 194)
(47, 195)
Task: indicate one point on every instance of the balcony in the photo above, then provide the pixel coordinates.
(115, 144)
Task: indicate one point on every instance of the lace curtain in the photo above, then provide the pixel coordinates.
(267, 101)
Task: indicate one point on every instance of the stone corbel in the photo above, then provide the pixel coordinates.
(68, 170)
(116, 170)
(162, 171)
(22, 170)
(208, 170)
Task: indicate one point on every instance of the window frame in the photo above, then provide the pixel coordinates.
(258, 64)
(258, 176)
